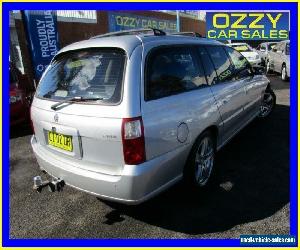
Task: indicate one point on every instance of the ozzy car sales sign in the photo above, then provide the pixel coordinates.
(42, 34)
(247, 25)
(126, 21)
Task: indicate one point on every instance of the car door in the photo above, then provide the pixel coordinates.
(229, 94)
(263, 51)
(279, 58)
(275, 59)
(244, 73)
(286, 57)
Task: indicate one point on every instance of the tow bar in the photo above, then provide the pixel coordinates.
(54, 185)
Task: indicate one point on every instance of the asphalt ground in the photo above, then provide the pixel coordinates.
(252, 195)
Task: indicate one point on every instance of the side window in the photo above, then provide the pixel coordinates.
(221, 62)
(287, 49)
(242, 67)
(209, 68)
(171, 71)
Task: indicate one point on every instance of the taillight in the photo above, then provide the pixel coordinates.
(133, 140)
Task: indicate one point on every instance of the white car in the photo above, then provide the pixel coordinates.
(251, 55)
(278, 59)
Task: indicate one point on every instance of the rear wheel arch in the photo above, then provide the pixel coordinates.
(212, 132)
(267, 106)
(213, 129)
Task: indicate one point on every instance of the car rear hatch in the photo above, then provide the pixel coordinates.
(76, 112)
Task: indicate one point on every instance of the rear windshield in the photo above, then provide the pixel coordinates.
(87, 74)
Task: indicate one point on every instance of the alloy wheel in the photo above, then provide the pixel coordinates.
(204, 161)
(267, 105)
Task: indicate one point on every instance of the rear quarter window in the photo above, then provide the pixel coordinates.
(172, 70)
(85, 73)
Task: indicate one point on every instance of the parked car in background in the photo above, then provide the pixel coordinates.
(20, 96)
(248, 52)
(125, 115)
(263, 49)
(278, 59)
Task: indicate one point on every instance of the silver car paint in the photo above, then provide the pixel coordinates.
(171, 126)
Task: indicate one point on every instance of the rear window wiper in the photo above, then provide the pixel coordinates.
(75, 99)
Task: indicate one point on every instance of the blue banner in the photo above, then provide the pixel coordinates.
(41, 26)
(247, 25)
(125, 21)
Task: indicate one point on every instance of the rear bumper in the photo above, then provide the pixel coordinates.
(135, 185)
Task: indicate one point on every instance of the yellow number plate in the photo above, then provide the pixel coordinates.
(60, 141)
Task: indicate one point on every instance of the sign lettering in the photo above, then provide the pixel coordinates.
(243, 25)
(125, 21)
(43, 38)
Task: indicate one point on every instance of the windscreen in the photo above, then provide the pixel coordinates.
(85, 73)
(242, 47)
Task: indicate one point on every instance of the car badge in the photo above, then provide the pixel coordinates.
(56, 118)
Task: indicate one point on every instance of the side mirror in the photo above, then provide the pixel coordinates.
(274, 50)
(258, 70)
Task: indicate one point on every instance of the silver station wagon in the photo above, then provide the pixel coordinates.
(125, 115)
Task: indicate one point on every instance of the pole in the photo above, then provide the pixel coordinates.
(177, 21)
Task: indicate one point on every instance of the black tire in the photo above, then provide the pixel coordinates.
(269, 93)
(283, 72)
(191, 167)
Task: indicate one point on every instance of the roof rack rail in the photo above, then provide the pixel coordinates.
(155, 32)
(188, 33)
